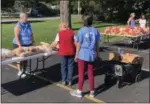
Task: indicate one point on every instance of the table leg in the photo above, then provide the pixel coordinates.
(24, 66)
(137, 46)
(32, 72)
(30, 63)
(137, 43)
(43, 62)
(133, 45)
(37, 64)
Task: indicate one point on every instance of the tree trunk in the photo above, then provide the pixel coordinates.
(65, 15)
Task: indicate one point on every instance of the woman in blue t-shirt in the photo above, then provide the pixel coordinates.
(23, 38)
(87, 50)
(131, 21)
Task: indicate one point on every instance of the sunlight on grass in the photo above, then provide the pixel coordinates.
(45, 31)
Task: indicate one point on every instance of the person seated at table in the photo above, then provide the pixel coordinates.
(65, 40)
(131, 20)
(23, 38)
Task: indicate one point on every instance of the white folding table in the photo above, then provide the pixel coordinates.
(44, 56)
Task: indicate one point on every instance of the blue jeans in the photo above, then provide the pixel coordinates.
(67, 62)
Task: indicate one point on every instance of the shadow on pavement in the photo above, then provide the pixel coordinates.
(22, 86)
(145, 75)
(102, 88)
(52, 73)
(31, 83)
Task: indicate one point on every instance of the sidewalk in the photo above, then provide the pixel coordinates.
(33, 19)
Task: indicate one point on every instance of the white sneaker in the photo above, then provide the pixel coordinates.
(92, 94)
(76, 93)
(23, 76)
(19, 73)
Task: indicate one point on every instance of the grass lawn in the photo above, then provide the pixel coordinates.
(45, 31)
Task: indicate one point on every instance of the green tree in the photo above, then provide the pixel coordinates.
(7, 3)
(124, 8)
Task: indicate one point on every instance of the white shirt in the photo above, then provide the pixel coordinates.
(142, 23)
(57, 38)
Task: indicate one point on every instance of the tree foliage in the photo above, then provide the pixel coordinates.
(102, 9)
(7, 3)
(124, 8)
(113, 9)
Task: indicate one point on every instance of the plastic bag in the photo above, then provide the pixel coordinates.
(5, 53)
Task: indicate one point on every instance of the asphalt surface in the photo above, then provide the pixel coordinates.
(33, 89)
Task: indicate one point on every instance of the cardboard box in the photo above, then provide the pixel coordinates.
(128, 58)
(131, 58)
(114, 56)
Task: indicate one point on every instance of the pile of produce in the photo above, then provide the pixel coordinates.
(26, 51)
(125, 30)
(5, 53)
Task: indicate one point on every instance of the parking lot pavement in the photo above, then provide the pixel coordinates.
(137, 92)
(32, 90)
(38, 90)
(145, 55)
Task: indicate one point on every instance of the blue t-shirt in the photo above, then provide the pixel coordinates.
(132, 23)
(88, 37)
(25, 35)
